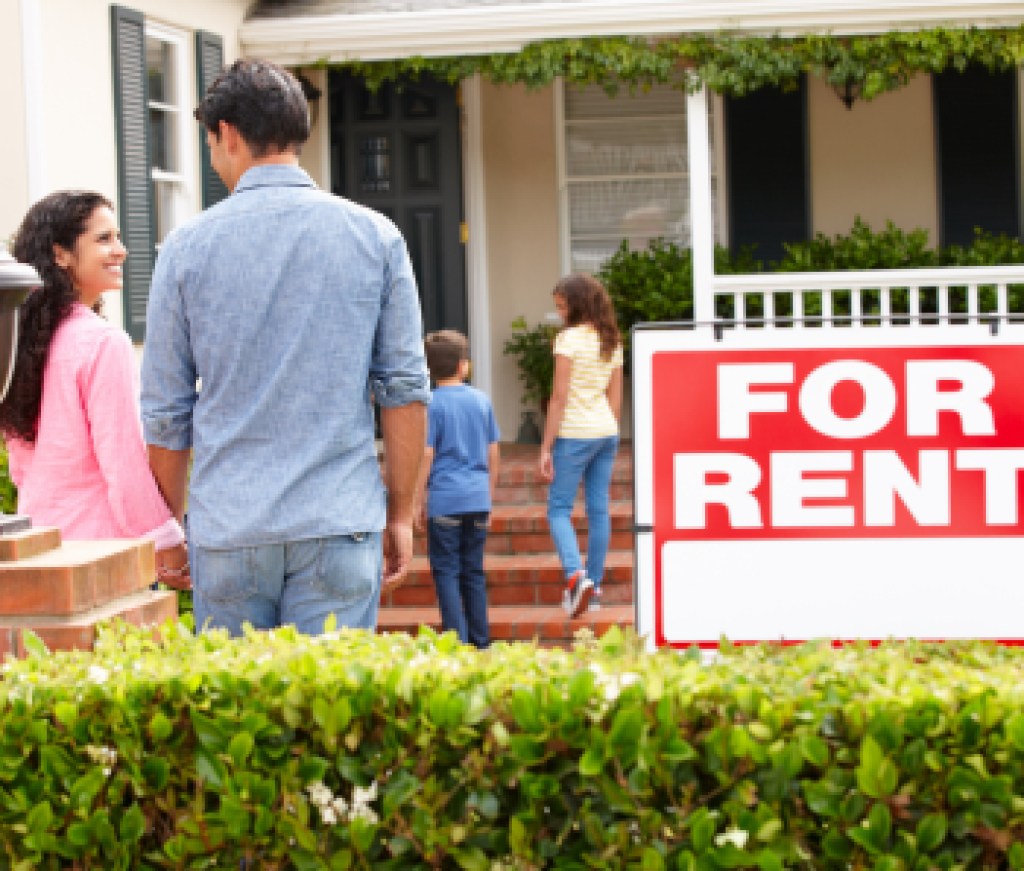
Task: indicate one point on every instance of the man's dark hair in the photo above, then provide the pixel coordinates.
(445, 350)
(263, 101)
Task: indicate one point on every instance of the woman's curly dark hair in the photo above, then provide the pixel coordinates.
(57, 219)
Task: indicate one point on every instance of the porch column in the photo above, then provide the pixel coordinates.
(702, 218)
(477, 288)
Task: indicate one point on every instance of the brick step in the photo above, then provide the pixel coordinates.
(78, 631)
(518, 469)
(75, 577)
(548, 625)
(28, 542)
(524, 529)
(518, 579)
(537, 492)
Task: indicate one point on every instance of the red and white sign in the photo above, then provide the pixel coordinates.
(843, 492)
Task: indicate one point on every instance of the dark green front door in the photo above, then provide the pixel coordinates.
(396, 150)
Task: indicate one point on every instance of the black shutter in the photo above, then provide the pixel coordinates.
(976, 126)
(135, 200)
(766, 146)
(209, 62)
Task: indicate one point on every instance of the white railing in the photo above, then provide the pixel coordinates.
(857, 299)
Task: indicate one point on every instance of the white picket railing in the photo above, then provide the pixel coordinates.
(863, 298)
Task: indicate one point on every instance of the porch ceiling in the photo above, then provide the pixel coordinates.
(297, 32)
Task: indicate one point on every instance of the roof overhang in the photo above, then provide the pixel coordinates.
(486, 28)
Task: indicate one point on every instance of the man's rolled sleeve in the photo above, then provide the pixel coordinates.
(168, 369)
(398, 370)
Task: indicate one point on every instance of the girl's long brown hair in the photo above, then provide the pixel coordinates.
(587, 302)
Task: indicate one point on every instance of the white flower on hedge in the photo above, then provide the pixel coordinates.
(328, 816)
(98, 674)
(105, 756)
(364, 796)
(736, 837)
(319, 794)
(363, 812)
(340, 806)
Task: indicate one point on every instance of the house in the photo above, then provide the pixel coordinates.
(501, 188)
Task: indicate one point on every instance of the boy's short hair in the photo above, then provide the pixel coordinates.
(445, 350)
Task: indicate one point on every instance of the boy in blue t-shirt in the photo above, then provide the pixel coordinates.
(459, 473)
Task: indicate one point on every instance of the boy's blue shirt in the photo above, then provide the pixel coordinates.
(460, 429)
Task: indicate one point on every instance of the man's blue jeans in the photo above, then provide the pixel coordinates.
(589, 460)
(298, 583)
(455, 546)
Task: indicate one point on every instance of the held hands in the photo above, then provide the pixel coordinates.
(172, 568)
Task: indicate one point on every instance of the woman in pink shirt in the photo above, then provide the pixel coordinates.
(71, 415)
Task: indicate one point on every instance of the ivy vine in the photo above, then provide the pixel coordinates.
(729, 64)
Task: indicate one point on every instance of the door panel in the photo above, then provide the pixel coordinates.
(396, 150)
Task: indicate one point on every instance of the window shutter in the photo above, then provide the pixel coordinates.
(976, 126)
(766, 140)
(209, 63)
(135, 206)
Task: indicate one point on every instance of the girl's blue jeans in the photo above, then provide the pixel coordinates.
(589, 460)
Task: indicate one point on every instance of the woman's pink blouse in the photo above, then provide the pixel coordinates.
(88, 472)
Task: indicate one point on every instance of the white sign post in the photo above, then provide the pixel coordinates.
(859, 483)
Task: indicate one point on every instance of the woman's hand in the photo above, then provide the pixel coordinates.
(545, 465)
(172, 567)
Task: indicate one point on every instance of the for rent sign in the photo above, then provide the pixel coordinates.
(856, 491)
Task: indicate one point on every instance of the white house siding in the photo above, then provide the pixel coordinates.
(522, 224)
(876, 160)
(13, 150)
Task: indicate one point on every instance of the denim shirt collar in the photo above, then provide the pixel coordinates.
(274, 175)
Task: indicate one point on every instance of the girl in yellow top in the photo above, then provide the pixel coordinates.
(581, 435)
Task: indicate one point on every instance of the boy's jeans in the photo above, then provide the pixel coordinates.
(298, 583)
(455, 546)
(592, 460)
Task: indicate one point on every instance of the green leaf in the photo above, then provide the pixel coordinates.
(627, 728)
(591, 762)
(652, 860)
(210, 769)
(156, 771)
(133, 825)
(39, 818)
(160, 727)
(66, 713)
(240, 746)
(814, 750)
(34, 646)
(931, 832)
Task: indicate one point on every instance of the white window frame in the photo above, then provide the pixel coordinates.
(183, 182)
(717, 170)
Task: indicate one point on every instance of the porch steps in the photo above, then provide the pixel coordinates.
(524, 578)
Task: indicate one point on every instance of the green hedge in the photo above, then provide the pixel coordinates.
(656, 284)
(360, 751)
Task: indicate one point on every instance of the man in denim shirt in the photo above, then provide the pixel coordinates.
(275, 319)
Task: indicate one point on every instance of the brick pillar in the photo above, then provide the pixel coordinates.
(62, 590)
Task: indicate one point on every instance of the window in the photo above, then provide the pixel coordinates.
(157, 78)
(170, 129)
(623, 171)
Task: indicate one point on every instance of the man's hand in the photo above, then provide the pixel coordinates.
(397, 554)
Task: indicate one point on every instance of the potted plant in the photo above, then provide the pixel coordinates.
(531, 348)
